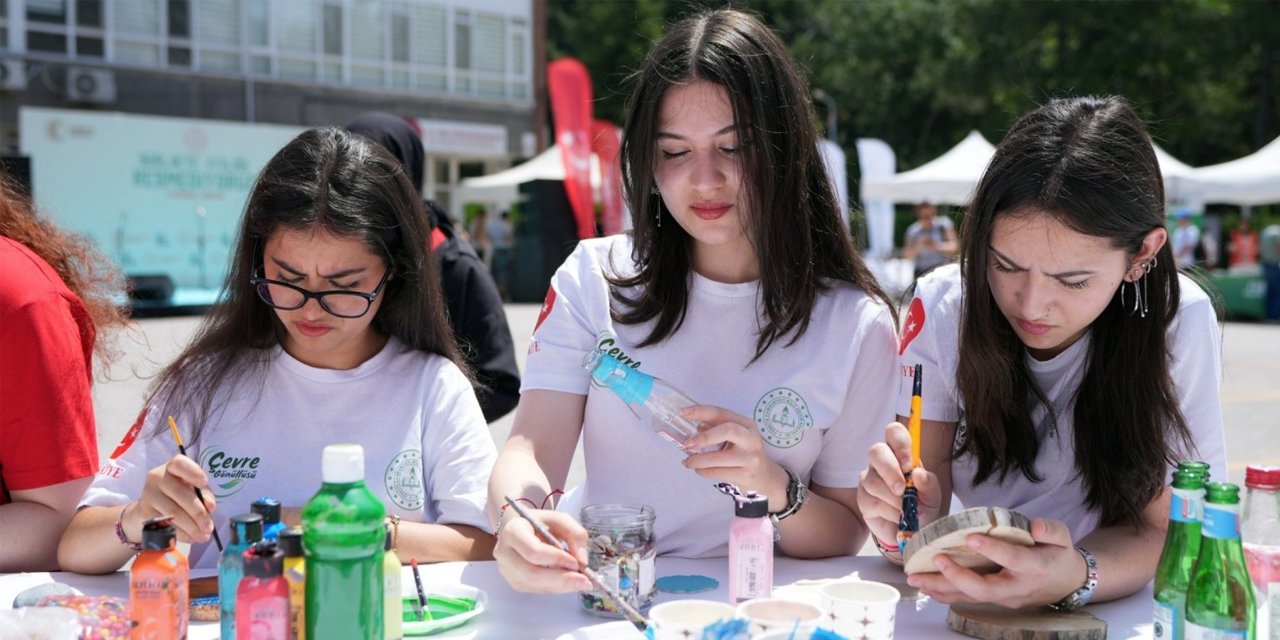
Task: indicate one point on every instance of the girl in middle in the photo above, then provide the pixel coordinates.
(739, 284)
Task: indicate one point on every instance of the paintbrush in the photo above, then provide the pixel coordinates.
(635, 617)
(173, 426)
(423, 609)
(909, 523)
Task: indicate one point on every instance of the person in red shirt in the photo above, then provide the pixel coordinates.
(54, 290)
(1244, 244)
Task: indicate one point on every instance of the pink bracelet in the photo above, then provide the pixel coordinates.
(124, 540)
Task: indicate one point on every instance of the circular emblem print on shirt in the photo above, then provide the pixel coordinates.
(404, 480)
(783, 417)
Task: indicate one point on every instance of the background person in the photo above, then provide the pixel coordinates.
(475, 307)
(1067, 367)
(58, 299)
(930, 240)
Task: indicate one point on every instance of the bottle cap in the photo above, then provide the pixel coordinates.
(1258, 477)
(158, 533)
(752, 505)
(1223, 493)
(1190, 480)
(343, 464)
(1195, 466)
(246, 528)
(263, 559)
(291, 542)
(268, 508)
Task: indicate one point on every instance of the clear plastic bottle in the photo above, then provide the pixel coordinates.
(1220, 594)
(246, 529)
(655, 402)
(342, 532)
(158, 584)
(263, 595)
(1260, 532)
(750, 549)
(1181, 546)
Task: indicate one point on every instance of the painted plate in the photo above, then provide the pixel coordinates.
(451, 606)
(619, 630)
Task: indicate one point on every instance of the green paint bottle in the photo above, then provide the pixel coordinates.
(1220, 594)
(343, 533)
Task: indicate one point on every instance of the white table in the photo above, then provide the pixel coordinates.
(513, 615)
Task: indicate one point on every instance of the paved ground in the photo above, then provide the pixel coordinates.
(1250, 388)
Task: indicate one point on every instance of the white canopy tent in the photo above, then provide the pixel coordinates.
(503, 187)
(948, 179)
(1251, 180)
(1180, 182)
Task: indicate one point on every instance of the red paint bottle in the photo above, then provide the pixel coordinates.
(262, 599)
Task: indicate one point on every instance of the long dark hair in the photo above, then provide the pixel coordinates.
(793, 220)
(324, 179)
(1089, 163)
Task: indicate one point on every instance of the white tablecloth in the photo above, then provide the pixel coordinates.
(558, 617)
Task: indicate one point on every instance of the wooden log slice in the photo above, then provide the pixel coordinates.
(997, 623)
(947, 536)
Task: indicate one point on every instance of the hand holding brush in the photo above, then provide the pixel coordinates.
(909, 524)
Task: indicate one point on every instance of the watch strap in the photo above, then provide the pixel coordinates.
(797, 493)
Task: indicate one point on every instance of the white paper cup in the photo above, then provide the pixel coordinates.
(861, 609)
(785, 635)
(775, 614)
(684, 619)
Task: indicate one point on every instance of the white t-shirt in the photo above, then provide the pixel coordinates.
(820, 402)
(1195, 350)
(427, 449)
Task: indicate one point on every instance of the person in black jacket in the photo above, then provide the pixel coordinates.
(475, 308)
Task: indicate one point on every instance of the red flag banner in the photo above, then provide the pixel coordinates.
(570, 89)
(606, 145)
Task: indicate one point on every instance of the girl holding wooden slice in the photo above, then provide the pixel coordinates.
(1068, 367)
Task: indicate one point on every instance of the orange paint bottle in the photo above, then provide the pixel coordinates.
(158, 584)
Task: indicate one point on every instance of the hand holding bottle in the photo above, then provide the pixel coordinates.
(881, 484)
(169, 490)
(734, 452)
(532, 565)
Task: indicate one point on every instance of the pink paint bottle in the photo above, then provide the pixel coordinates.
(262, 599)
(750, 549)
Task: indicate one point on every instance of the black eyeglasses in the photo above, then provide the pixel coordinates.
(344, 304)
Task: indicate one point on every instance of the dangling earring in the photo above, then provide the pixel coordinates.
(657, 215)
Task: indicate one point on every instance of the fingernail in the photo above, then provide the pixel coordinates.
(913, 582)
(940, 563)
(974, 543)
(686, 410)
(898, 487)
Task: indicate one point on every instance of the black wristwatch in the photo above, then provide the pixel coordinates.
(797, 493)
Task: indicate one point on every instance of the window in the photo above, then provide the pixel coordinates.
(462, 42)
(368, 30)
(179, 18)
(89, 13)
(259, 23)
(400, 38)
(47, 11)
(332, 29)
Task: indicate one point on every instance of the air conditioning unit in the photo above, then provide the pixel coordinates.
(91, 85)
(13, 75)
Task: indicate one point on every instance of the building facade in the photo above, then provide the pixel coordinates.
(468, 71)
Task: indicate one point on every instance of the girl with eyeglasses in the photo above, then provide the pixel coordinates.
(331, 330)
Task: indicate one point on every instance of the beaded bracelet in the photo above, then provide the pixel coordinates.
(124, 540)
(890, 552)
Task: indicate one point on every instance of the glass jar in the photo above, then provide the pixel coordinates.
(621, 550)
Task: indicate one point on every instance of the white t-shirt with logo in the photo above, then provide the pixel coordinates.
(931, 337)
(427, 449)
(819, 402)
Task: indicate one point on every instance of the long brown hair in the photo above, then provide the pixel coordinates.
(1089, 163)
(794, 220)
(86, 271)
(335, 181)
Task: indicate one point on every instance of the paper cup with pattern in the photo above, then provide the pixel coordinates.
(684, 619)
(775, 614)
(861, 608)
